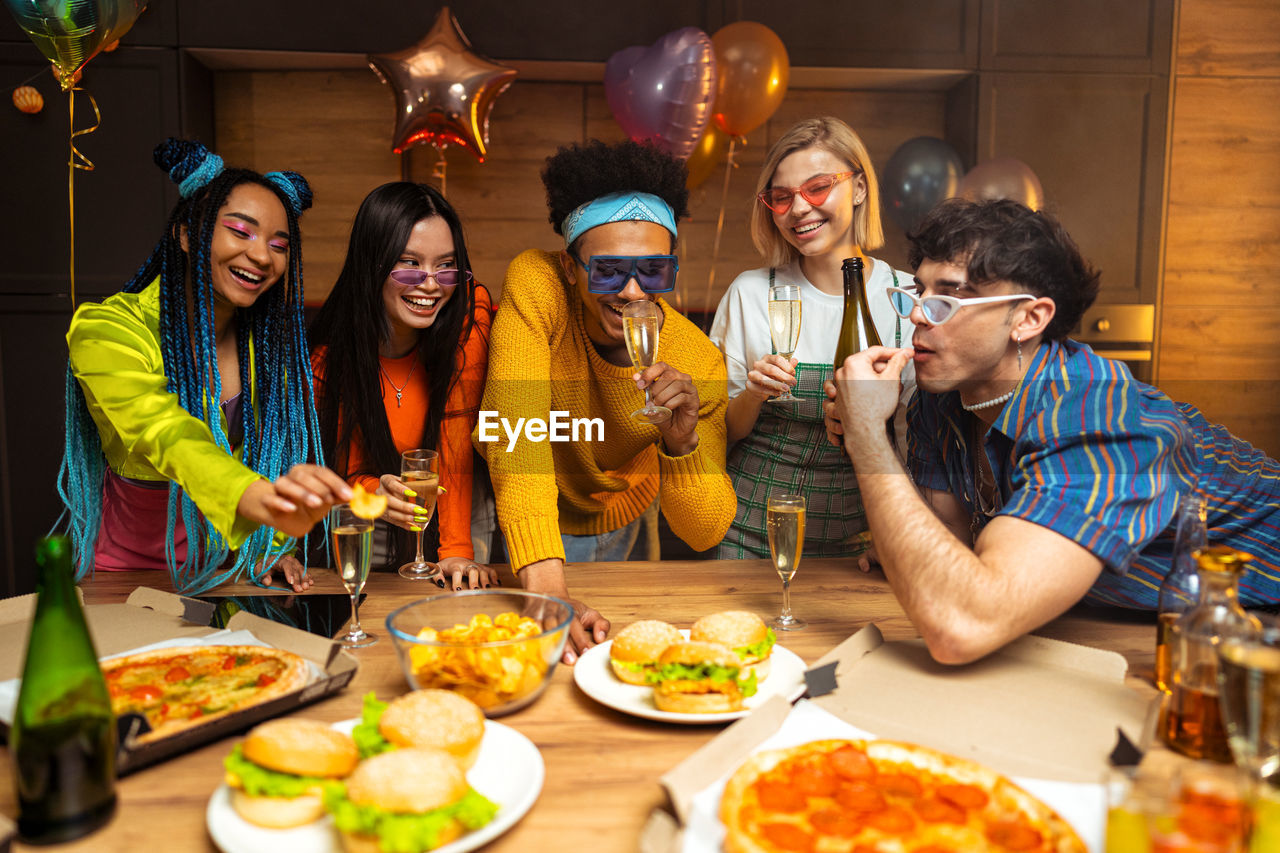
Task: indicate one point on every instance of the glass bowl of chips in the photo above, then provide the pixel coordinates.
(495, 647)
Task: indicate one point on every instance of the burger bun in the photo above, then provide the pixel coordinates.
(438, 719)
(640, 643)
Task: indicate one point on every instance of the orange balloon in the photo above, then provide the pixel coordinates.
(753, 68)
(707, 154)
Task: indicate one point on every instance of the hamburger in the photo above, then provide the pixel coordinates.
(635, 650)
(430, 718)
(408, 800)
(744, 632)
(700, 678)
(279, 773)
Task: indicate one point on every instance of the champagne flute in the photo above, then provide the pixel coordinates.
(1249, 693)
(785, 520)
(640, 328)
(352, 551)
(784, 327)
(420, 472)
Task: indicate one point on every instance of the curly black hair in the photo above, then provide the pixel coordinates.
(576, 174)
(1007, 241)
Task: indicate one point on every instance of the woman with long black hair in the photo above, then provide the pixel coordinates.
(400, 351)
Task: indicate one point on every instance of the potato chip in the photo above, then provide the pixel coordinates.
(367, 505)
(486, 674)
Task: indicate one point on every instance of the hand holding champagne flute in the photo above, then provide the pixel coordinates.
(352, 552)
(640, 327)
(420, 473)
(784, 326)
(1249, 692)
(785, 520)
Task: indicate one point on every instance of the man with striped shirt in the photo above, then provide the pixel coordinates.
(1043, 474)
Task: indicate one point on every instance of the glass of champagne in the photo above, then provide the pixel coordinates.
(784, 327)
(640, 327)
(1249, 692)
(420, 473)
(352, 551)
(785, 520)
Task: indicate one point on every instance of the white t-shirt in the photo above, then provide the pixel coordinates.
(741, 325)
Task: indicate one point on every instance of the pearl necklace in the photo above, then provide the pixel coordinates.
(988, 404)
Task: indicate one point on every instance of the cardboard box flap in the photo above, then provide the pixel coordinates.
(725, 750)
(312, 646)
(1039, 707)
(22, 608)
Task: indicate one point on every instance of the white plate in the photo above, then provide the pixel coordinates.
(509, 771)
(594, 675)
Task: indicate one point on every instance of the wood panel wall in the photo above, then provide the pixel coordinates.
(335, 128)
(1221, 296)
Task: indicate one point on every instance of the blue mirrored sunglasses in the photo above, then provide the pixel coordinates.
(444, 278)
(610, 273)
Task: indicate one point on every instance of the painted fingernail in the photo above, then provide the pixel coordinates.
(410, 493)
(413, 528)
(486, 586)
(420, 512)
(440, 584)
(457, 588)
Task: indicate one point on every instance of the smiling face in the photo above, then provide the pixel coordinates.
(826, 228)
(412, 309)
(603, 311)
(973, 349)
(249, 251)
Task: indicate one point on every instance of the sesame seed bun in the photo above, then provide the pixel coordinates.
(701, 696)
(736, 629)
(298, 747)
(640, 643)
(301, 747)
(405, 781)
(436, 718)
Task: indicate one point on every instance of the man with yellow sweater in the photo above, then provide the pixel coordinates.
(557, 345)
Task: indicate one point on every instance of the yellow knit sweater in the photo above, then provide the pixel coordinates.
(541, 360)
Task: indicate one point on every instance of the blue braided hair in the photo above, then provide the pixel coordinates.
(280, 424)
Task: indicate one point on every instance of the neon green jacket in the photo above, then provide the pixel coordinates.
(145, 432)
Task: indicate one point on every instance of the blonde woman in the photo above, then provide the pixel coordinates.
(817, 203)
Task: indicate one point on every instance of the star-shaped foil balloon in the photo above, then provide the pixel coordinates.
(444, 90)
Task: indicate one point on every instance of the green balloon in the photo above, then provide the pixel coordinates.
(71, 32)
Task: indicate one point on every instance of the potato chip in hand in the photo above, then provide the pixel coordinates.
(369, 505)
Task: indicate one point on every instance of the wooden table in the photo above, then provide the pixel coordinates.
(602, 766)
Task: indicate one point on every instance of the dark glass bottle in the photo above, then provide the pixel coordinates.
(857, 331)
(63, 740)
(1180, 589)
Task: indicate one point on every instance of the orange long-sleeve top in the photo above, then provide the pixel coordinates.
(408, 419)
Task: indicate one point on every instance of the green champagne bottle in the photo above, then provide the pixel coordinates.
(857, 331)
(63, 740)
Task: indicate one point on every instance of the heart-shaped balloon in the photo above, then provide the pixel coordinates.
(664, 93)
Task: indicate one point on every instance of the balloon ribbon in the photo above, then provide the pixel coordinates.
(730, 165)
(77, 160)
(439, 169)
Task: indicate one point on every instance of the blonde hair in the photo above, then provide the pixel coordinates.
(829, 134)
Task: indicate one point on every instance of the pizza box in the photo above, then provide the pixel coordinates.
(1038, 709)
(151, 616)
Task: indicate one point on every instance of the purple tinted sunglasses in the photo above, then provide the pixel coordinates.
(444, 278)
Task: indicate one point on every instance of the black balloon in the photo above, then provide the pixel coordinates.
(922, 172)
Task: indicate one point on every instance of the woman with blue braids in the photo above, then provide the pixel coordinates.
(191, 430)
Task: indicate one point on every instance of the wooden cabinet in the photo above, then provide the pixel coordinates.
(1096, 142)
(121, 207)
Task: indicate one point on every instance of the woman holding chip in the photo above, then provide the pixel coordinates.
(817, 204)
(558, 346)
(190, 424)
(400, 351)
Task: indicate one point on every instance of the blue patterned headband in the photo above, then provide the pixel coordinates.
(618, 207)
(210, 167)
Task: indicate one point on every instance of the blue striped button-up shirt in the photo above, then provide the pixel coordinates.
(1089, 452)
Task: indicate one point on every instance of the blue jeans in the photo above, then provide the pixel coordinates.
(610, 547)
